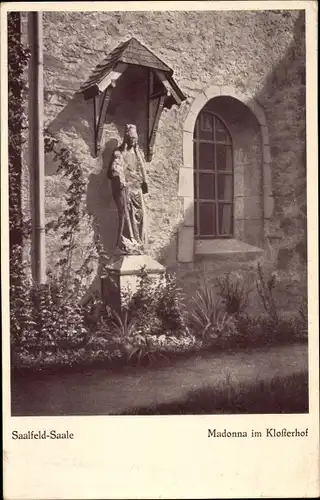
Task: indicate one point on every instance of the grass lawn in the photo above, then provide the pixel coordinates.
(139, 389)
(279, 395)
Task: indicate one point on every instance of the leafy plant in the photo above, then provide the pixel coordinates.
(124, 326)
(234, 293)
(43, 321)
(171, 306)
(69, 220)
(42, 317)
(143, 303)
(23, 326)
(303, 313)
(301, 323)
(263, 330)
(209, 317)
(18, 56)
(265, 288)
(157, 304)
(141, 348)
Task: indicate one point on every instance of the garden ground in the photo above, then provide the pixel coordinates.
(102, 392)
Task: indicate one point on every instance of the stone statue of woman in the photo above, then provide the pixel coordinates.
(128, 184)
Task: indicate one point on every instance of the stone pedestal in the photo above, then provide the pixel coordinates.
(122, 276)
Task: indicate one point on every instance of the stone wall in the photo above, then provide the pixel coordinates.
(259, 51)
(248, 196)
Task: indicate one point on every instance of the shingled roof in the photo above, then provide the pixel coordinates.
(161, 86)
(129, 52)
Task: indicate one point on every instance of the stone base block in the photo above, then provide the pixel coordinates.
(121, 277)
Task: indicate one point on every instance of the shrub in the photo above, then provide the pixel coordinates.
(123, 326)
(263, 330)
(234, 293)
(44, 320)
(49, 329)
(18, 55)
(149, 317)
(129, 339)
(301, 323)
(23, 326)
(142, 305)
(171, 306)
(265, 288)
(142, 348)
(157, 305)
(209, 318)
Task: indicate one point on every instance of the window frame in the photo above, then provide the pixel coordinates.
(216, 173)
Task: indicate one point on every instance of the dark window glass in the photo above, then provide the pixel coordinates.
(206, 186)
(219, 125)
(225, 219)
(224, 157)
(222, 136)
(225, 187)
(206, 156)
(207, 216)
(205, 124)
(213, 178)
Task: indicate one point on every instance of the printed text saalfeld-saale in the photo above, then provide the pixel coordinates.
(52, 434)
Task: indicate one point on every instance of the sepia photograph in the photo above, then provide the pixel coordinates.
(159, 249)
(157, 209)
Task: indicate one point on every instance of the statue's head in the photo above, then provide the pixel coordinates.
(131, 135)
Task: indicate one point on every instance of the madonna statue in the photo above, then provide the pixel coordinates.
(128, 184)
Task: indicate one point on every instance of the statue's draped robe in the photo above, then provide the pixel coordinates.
(126, 176)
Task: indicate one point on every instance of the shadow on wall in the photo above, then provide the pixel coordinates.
(101, 207)
(99, 202)
(75, 121)
(73, 127)
(284, 94)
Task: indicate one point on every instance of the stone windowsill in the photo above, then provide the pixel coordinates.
(225, 247)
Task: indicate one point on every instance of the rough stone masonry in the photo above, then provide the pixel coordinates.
(258, 54)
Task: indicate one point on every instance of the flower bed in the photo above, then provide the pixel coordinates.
(51, 334)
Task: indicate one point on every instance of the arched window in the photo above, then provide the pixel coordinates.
(213, 177)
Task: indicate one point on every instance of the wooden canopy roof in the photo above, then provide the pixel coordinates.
(131, 52)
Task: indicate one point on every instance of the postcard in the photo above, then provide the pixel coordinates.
(159, 250)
